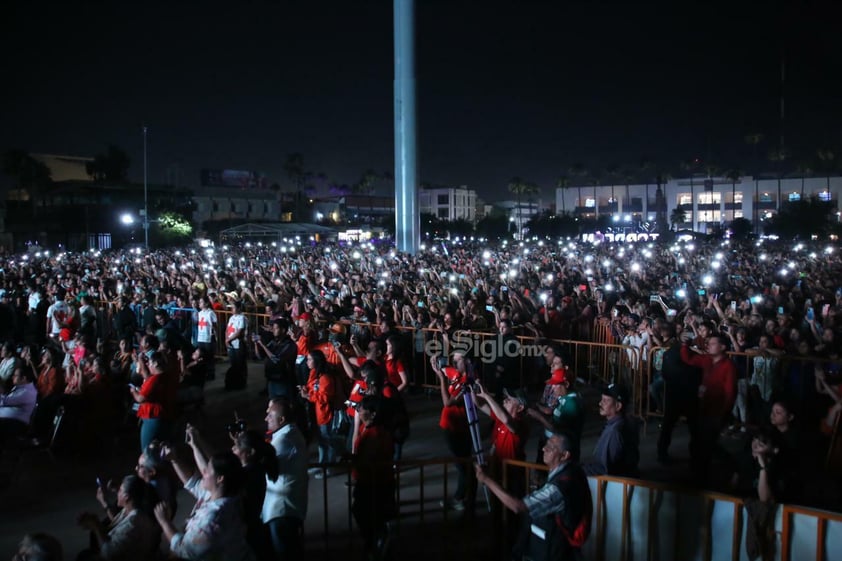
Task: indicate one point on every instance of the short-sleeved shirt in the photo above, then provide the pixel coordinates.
(547, 499)
(509, 445)
(58, 315)
(155, 391)
(237, 321)
(393, 369)
(207, 319)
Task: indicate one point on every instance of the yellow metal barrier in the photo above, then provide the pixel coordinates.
(632, 519)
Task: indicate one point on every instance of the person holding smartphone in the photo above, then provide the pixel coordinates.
(155, 399)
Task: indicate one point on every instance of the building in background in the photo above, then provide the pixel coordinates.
(708, 203)
(520, 212)
(449, 203)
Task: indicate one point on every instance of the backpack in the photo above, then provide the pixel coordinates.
(578, 535)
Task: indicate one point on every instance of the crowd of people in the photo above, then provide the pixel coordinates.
(742, 339)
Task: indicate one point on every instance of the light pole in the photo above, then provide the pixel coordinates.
(145, 198)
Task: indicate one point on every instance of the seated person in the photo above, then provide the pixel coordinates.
(129, 533)
(616, 451)
(759, 474)
(17, 405)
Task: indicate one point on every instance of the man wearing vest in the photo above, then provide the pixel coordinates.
(558, 514)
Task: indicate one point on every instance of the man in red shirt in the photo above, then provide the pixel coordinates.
(454, 422)
(717, 395)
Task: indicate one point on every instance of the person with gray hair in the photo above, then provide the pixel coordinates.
(39, 547)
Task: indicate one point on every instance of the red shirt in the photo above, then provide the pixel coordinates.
(719, 380)
(393, 367)
(357, 394)
(509, 445)
(454, 417)
(323, 397)
(49, 382)
(305, 343)
(374, 448)
(154, 389)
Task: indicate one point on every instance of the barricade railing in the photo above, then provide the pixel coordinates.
(631, 520)
(420, 485)
(787, 373)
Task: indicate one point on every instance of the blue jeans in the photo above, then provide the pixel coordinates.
(326, 450)
(285, 533)
(153, 429)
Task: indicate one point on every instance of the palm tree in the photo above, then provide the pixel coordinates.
(594, 181)
(578, 171)
(678, 217)
(563, 183)
(753, 139)
(826, 158)
(734, 175)
(662, 178)
(520, 187)
(611, 173)
(805, 170)
(365, 186)
(691, 166)
(644, 167)
(294, 168)
(626, 175)
(779, 156)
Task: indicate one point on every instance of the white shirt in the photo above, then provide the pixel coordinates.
(57, 314)
(34, 299)
(206, 324)
(19, 403)
(237, 321)
(287, 495)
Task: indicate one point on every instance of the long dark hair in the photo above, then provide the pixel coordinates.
(319, 361)
(227, 466)
(264, 453)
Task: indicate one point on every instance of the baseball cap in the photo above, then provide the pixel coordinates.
(618, 392)
(306, 316)
(560, 376)
(518, 395)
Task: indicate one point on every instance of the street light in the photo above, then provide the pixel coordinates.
(145, 197)
(127, 219)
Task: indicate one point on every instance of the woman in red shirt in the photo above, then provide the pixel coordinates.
(320, 391)
(50, 384)
(153, 396)
(395, 371)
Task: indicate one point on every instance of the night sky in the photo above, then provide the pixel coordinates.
(507, 89)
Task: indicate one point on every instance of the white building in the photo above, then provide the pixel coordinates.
(520, 213)
(706, 202)
(449, 203)
(228, 203)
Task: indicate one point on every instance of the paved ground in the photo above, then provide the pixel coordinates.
(47, 495)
